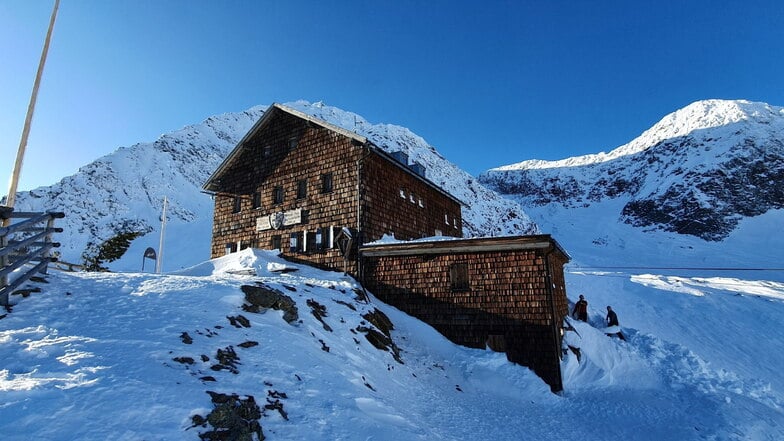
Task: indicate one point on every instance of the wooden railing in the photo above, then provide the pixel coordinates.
(23, 242)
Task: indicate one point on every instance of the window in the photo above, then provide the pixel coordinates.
(256, 200)
(439, 233)
(277, 195)
(458, 276)
(446, 219)
(293, 242)
(292, 143)
(276, 242)
(402, 193)
(267, 151)
(326, 183)
(231, 247)
(319, 241)
(237, 207)
(412, 198)
(421, 203)
(302, 189)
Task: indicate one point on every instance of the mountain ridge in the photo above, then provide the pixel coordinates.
(698, 171)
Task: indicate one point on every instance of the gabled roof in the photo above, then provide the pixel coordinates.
(269, 114)
(275, 109)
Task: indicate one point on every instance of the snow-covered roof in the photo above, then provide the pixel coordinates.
(442, 244)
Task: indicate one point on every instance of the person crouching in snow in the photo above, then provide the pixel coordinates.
(613, 328)
(581, 309)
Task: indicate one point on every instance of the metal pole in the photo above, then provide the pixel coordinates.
(29, 118)
(159, 262)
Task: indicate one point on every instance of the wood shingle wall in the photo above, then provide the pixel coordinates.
(396, 203)
(289, 153)
(512, 300)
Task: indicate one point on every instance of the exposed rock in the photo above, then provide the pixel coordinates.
(261, 298)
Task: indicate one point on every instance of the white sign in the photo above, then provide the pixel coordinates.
(279, 220)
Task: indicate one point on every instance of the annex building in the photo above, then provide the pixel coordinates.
(325, 196)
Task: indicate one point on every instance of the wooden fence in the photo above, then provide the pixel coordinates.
(23, 242)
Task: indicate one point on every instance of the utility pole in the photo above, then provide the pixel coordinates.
(159, 262)
(29, 118)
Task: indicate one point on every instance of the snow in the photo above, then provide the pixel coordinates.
(91, 357)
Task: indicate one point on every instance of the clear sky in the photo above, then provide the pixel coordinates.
(487, 83)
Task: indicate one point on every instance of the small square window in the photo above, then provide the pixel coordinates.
(326, 183)
(256, 200)
(267, 151)
(237, 205)
(276, 242)
(302, 189)
(292, 143)
(277, 195)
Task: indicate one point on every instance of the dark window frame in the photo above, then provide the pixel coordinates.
(256, 200)
(236, 204)
(302, 189)
(278, 195)
(458, 277)
(327, 183)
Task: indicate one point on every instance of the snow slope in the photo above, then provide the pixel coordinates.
(92, 357)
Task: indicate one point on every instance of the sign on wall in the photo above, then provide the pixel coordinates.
(276, 221)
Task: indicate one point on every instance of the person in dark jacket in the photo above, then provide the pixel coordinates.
(612, 317)
(612, 320)
(580, 311)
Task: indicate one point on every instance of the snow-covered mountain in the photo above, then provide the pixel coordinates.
(699, 171)
(123, 192)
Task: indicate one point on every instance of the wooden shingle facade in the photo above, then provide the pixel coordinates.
(505, 293)
(303, 186)
(324, 196)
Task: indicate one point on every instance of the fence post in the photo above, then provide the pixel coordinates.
(5, 215)
(47, 241)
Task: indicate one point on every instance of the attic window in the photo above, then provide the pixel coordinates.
(458, 276)
(237, 205)
(293, 143)
(267, 151)
(402, 193)
(256, 200)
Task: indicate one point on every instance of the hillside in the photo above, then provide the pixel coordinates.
(141, 356)
(123, 192)
(699, 171)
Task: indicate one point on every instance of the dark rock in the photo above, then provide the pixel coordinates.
(186, 338)
(248, 344)
(260, 298)
(184, 360)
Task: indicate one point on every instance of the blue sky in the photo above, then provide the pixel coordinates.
(486, 83)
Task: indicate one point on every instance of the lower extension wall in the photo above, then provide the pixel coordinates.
(511, 301)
